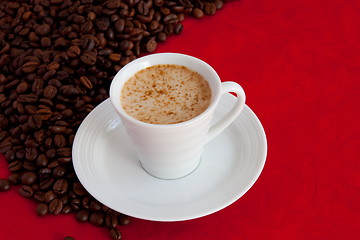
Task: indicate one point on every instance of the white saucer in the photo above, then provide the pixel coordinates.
(107, 167)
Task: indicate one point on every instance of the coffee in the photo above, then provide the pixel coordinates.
(165, 94)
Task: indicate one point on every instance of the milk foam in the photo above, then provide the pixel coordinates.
(165, 94)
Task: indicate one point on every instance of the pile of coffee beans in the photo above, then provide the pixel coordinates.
(57, 59)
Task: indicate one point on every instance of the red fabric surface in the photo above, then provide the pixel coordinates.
(299, 63)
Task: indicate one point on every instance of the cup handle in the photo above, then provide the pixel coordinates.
(234, 112)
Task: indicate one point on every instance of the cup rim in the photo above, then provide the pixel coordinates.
(124, 114)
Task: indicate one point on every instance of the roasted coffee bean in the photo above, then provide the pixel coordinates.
(102, 24)
(143, 8)
(35, 121)
(55, 206)
(31, 153)
(45, 173)
(79, 189)
(154, 24)
(23, 119)
(66, 209)
(35, 187)
(197, 13)
(69, 238)
(53, 164)
(165, 11)
(10, 155)
(64, 160)
(29, 165)
(105, 52)
(59, 171)
(60, 43)
(178, 28)
(219, 4)
(51, 153)
(73, 51)
(50, 92)
(31, 143)
(111, 220)
(46, 183)
(39, 196)
(120, 25)
(15, 141)
(62, 123)
(30, 109)
(60, 186)
(86, 202)
(46, 104)
(4, 185)
(64, 152)
(178, 9)
(49, 196)
(28, 178)
(83, 215)
(10, 84)
(115, 233)
(64, 199)
(4, 59)
(42, 209)
(86, 27)
(88, 57)
(26, 191)
(30, 67)
(56, 115)
(169, 29)
(114, 57)
(88, 43)
(85, 82)
(60, 106)
(124, 219)
(125, 45)
(48, 142)
(53, 66)
(151, 45)
(27, 98)
(59, 140)
(5, 146)
(69, 90)
(22, 87)
(42, 160)
(20, 154)
(95, 205)
(96, 218)
(56, 82)
(75, 204)
(72, 195)
(209, 8)
(14, 178)
(57, 129)
(40, 136)
(159, 3)
(171, 19)
(42, 29)
(15, 166)
(37, 85)
(3, 121)
(45, 42)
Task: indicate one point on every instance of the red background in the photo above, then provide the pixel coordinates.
(299, 63)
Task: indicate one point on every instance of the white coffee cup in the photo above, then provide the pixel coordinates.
(172, 151)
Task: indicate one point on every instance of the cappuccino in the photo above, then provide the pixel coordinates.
(165, 94)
